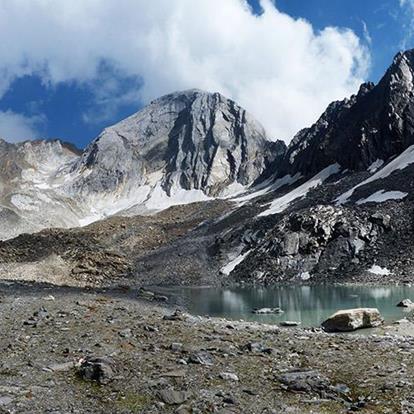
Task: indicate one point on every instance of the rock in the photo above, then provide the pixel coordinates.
(201, 357)
(352, 319)
(176, 316)
(257, 347)
(267, 311)
(405, 303)
(175, 374)
(37, 316)
(150, 328)
(182, 409)
(176, 347)
(66, 366)
(125, 333)
(383, 220)
(147, 294)
(229, 400)
(289, 323)
(99, 369)
(5, 400)
(290, 245)
(304, 380)
(172, 397)
(401, 321)
(228, 376)
(160, 298)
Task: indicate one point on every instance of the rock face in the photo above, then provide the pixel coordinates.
(316, 240)
(184, 147)
(353, 319)
(29, 174)
(374, 124)
(190, 140)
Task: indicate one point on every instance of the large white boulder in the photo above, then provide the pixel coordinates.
(351, 319)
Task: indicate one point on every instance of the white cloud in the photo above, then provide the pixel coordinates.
(407, 23)
(16, 127)
(278, 68)
(367, 34)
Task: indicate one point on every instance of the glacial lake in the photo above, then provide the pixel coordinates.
(309, 305)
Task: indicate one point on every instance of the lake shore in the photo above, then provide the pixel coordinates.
(187, 364)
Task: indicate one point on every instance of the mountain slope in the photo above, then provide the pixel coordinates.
(184, 147)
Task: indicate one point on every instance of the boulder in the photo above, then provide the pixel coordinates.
(352, 319)
(201, 358)
(99, 369)
(228, 376)
(405, 303)
(173, 397)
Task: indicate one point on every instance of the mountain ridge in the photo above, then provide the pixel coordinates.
(183, 147)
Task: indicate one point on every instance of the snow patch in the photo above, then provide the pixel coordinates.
(160, 200)
(233, 190)
(24, 202)
(383, 195)
(402, 161)
(375, 165)
(280, 204)
(267, 187)
(378, 270)
(229, 267)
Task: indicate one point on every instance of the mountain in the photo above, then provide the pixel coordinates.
(190, 191)
(183, 147)
(339, 206)
(29, 176)
(369, 127)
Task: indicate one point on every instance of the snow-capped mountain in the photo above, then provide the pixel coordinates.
(336, 204)
(184, 147)
(340, 203)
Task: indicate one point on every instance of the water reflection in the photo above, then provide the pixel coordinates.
(309, 305)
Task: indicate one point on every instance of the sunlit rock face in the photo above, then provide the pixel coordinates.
(191, 140)
(184, 147)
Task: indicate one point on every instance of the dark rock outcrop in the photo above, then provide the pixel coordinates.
(318, 240)
(375, 124)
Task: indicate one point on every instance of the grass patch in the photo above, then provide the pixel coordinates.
(134, 402)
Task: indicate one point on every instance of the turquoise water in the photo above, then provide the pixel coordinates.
(309, 305)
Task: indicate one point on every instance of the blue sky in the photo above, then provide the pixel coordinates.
(74, 103)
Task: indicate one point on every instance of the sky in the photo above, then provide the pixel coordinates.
(70, 68)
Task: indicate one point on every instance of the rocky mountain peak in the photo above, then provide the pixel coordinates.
(193, 140)
(183, 147)
(374, 124)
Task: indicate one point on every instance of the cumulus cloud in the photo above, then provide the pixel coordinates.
(279, 68)
(16, 127)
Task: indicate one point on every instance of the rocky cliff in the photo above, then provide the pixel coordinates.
(184, 147)
(371, 126)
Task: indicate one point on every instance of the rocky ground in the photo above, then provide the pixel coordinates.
(166, 248)
(71, 350)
